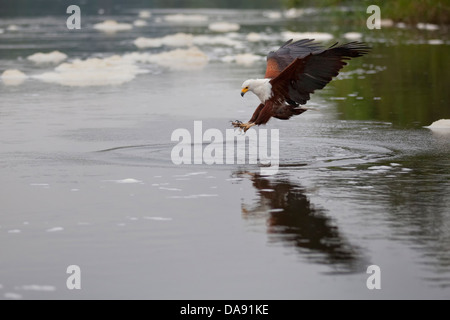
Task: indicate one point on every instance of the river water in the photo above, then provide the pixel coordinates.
(88, 179)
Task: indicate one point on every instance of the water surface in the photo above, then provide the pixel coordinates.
(87, 177)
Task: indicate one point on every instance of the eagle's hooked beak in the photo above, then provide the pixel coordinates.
(244, 91)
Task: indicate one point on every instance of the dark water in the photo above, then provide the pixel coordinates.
(87, 177)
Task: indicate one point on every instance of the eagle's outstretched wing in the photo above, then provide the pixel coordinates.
(312, 71)
(278, 60)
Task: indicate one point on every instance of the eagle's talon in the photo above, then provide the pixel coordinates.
(237, 124)
(242, 126)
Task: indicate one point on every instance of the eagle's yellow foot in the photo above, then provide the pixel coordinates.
(242, 126)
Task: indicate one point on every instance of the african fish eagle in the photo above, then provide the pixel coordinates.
(293, 72)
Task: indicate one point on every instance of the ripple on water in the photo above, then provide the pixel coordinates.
(323, 153)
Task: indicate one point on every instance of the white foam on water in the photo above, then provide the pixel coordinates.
(190, 174)
(267, 190)
(225, 40)
(1, 286)
(178, 59)
(158, 219)
(338, 98)
(353, 35)
(364, 187)
(258, 37)
(170, 189)
(112, 26)
(12, 296)
(145, 14)
(440, 124)
(14, 231)
(294, 13)
(13, 77)
(245, 59)
(276, 210)
(427, 26)
(182, 18)
(233, 35)
(254, 37)
(143, 42)
(140, 23)
(319, 36)
(273, 15)
(39, 184)
(175, 40)
(386, 23)
(13, 27)
(51, 57)
(382, 168)
(360, 72)
(127, 181)
(194, 196)
(436, 42)
(224, 26)
(195, 173)
(55, 229)
(35, 287)
(114, 70)
(393, 164)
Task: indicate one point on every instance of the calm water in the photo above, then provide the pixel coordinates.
(87, 177)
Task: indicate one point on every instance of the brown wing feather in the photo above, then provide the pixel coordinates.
(265, 114)
(273, 69)
(286, 111)
(256, 113)
(278, 60)
(281, 85)
(313, 72)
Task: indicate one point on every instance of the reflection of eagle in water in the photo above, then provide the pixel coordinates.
(293, 72)
(292, 219)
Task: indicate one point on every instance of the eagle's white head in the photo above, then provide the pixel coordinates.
(261, 87)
